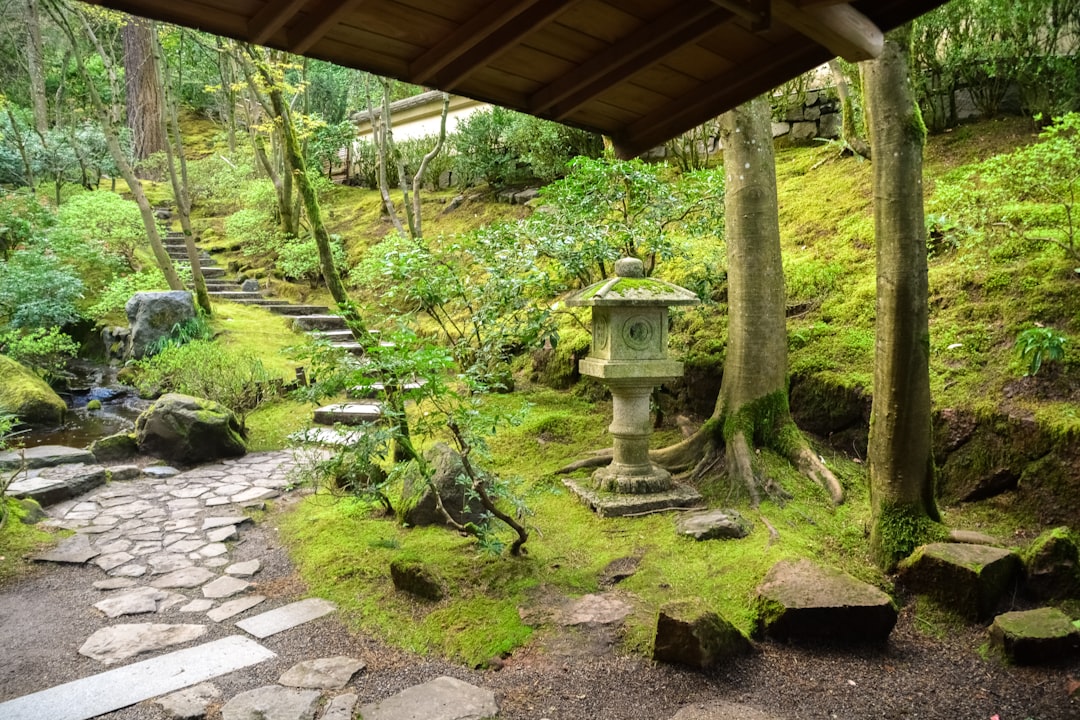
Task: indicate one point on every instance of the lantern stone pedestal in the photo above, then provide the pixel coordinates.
(629, 355)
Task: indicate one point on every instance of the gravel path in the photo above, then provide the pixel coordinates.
(46, 616)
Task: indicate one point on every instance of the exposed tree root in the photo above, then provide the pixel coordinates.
(774, 536)
(810, 465)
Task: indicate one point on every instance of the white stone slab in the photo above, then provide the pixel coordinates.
(225, 586)
(234, 607)
(115, 689)
(221, 521)
(285, 617)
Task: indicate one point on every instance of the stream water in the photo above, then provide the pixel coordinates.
(120, 406)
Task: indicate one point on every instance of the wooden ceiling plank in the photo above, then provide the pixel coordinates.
(474, 31)
(499, 40)
(841, 28)
(705, 103)
(274, 15)
(318, 24)
(645, 46)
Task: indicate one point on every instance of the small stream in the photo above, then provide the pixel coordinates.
(120, 406)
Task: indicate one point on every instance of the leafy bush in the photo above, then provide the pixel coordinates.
(255, 229)
(46, 351)
(38, 290)
(218, 183)
(204, 369)
(107, 220)
(22, 220)
(546, 148)
(1039, 345)
(111, 301)
(298, 259)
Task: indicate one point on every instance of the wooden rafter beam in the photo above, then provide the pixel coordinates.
(630, 55)
(480, 38)
(720, 94)
(839, 27)
(315, 27)
(272, 18)
(756, 13)
(501, 40)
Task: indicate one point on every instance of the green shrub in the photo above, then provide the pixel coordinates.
(104, 219)
(1038, 346)
(483, 152)
(46, 351)
(111, 301)
(298, 259)
(37, 289)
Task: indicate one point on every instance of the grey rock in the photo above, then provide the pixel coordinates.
(189, 430)
(119, 473)
(118, 642)
(830, 125)
(167, 562)
(112, 560)
(75, 549)
(1044, 635)
(415, 578)
(44, 456)
(253, 494)
(779, 129)
(419, 500)
(713, 525)
(690, 633)
(1052, 566)
(160, 471)
(213, 550)
(191, 577)
(224, 587)
(50, 485)
(152, 316)
(249, 285)
(215, 522)
(811, 113)
(802, 599)
(234, 607)
(244, 569)
(113, 448)
(803, 131)
(340, 708)
(32, 512)
(139, 600)
(969, 579)
(286, 617)
(190, 703)
(272, 702)
(222, 534)
(129, 571)
(604, 609)
(444, 698)
(198, 605)
(118, 583)
(323, 673)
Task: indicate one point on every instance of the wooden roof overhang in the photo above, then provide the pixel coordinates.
(639, 71)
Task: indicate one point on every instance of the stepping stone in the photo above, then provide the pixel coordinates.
(189, 493)
(255, 493)
(160, 471)
(140, 600)
(272, 702)
(719, 710)
(215, 522)
(112, 560)
(212, 550)
(167, 563)
(597, 609)
(286, 617)
(191, 577)
(186, 546)
(234, 607)
(322, 674)
(713, 525)
(45, 456)
(114, 643)
(349, 414)
(129, 571)
(215, 562)
(444, 698)
(96, 529)
(1045, 635)
(224, 587)
(244, 569)
(217, 501)
(340, 708)
(198, 605)
(114, 546)
(190, 703)
(968, 579)
(75, 549)
(119, 583)
(802, 599)
(105, 692)
(219, 535)
(691, 633)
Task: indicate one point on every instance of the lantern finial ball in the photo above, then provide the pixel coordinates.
(629, 267)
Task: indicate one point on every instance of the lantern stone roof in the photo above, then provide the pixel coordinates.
(630, 288)
(638, 71)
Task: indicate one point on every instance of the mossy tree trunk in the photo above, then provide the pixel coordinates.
(900, 452)
(849, 131)
(752, 408)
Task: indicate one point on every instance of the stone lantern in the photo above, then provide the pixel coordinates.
(629, 355)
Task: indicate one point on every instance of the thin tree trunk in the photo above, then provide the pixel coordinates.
(142, 78)
(900, 451)
(174, 148)
(163, 260)
(849, 132)
(380, 132)
(225, 69)
(418, 179)
(35, 61)
(28, 166)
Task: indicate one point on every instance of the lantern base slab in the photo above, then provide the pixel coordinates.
(611, 504)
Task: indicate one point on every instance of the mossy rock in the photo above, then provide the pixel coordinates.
(115, 448)
(28, 397)
(1052, 566)
(189, 430)
(557, 366)
(1045, 635)
(412, 576)
(824, 404)
(969, 579)
(689, 632)
(418, 506)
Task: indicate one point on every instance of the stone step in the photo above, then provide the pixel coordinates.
(50, 485)
(345, 335)
(349, 414)
(286, 617)
(44, 456)
(287, 309)
(377, 389)
(105, 692)
(213, 272)
(327, 436)
(238, 295)
(222, 285)
(319, 321)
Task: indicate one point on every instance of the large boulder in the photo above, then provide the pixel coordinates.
(968, 579)
(152, 316)
(689, 633)
(28, 397)
(1052, 565)
(419, 505)
(1043, 635)
(189, 430)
